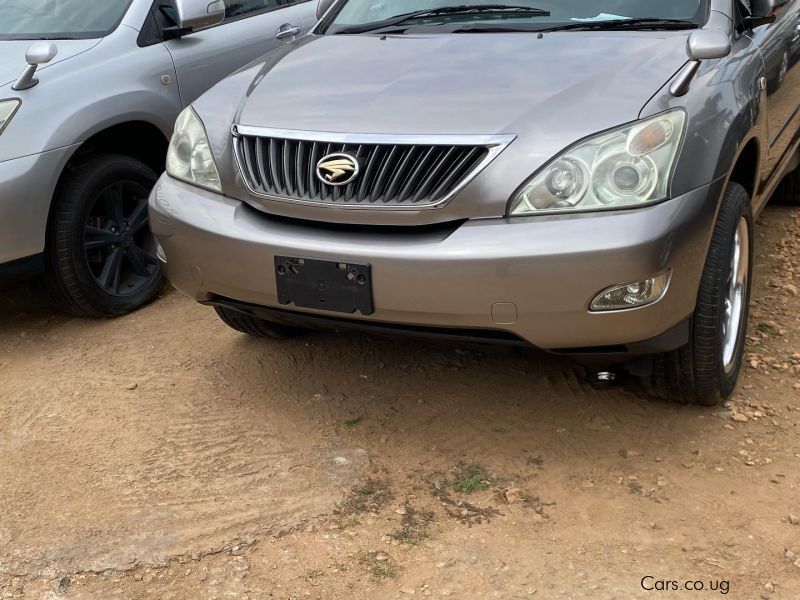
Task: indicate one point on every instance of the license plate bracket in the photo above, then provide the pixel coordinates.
(336, 286)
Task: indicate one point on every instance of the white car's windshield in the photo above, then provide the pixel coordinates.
(59, 19)
(354, 16)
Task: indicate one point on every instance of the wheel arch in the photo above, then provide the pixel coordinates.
(746, 166)
(138, 138)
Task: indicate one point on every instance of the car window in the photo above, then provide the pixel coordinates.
(356, 12)
(59, 19)
(236, 9)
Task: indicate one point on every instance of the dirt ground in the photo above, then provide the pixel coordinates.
(162, 455)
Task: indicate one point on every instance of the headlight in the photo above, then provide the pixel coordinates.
(189, 157)
(7, 110)
(629, 166)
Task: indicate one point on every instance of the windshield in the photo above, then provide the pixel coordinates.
(59, 19)
(353, 14)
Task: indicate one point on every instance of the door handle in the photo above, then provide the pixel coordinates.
(287, 31)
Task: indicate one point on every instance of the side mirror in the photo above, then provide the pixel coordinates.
(41, 53)
(323, 6)
(195, 14)
(707, 44)
(38, 53)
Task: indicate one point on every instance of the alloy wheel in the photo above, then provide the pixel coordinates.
(118, 245)
(736, 295)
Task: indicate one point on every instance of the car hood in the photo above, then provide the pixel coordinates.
(462, 83)
(12, 56)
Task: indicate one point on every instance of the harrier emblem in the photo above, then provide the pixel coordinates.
(337, 169)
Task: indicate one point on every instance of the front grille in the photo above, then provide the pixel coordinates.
(390, 175)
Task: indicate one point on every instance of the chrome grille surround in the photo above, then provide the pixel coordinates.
(452, 162)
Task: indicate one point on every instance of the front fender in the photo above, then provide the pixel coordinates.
(726, 109)
(115, 82)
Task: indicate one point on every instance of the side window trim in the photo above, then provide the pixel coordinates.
(154, 32)
(255, 13)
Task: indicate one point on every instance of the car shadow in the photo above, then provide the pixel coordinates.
(451, 401)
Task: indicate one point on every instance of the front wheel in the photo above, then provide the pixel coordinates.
(255, 327)
(707, 368)
(101, 254)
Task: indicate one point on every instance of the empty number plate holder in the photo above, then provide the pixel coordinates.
(337, 286)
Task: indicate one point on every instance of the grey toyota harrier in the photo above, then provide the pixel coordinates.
(580, 176)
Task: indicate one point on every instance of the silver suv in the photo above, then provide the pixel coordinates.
(577, 175)
(84, 128)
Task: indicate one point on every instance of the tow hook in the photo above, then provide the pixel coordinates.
(602, 379)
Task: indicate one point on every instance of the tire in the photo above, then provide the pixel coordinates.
(255, 327)
(705, 370)
(788, 191)
(101, 256)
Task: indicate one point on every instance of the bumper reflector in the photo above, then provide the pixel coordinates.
(632, 295)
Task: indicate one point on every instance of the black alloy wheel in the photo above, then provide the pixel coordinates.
(101, 254)
(119, 249)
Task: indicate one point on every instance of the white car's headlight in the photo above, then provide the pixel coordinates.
(189, 157)
(7, 110)
(626, 167)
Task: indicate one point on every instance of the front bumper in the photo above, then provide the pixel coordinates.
(530, 277)
(27, 185)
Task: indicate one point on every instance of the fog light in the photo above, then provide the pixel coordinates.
(633, 294)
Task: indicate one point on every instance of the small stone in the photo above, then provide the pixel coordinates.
(61, 584)
(512, 495)
(789, 554)
(402, 510)
(381, 557)
(739, 418)
(132, 386)
(797, 563)
(138, 577)
(408, 591)
(769, 587)
(794, 520)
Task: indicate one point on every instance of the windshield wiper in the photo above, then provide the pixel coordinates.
(643, 23)
(465, 9)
